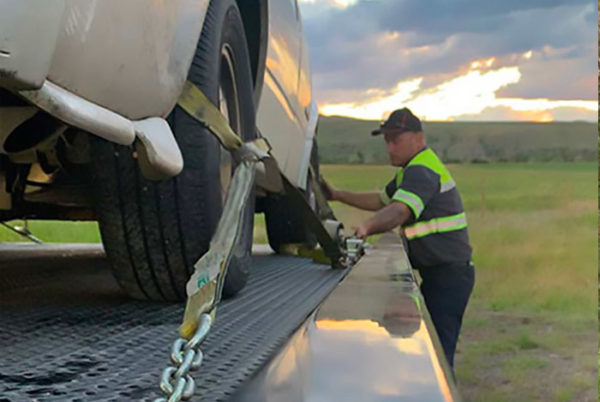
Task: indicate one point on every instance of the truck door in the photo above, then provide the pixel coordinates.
(280, 116)
(284, 47)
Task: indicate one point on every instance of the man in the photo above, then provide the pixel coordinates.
(423, 199)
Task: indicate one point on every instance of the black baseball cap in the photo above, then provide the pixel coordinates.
(400, 120)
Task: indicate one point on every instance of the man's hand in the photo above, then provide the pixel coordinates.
(361, 231)
(329, 190)
(391, 216)
(366, 201)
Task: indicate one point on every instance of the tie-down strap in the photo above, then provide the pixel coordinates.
(205, 285)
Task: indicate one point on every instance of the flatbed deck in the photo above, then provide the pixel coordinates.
(68, 333)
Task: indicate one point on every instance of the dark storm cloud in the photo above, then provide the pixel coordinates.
(435, 20)
(347, 50)
(451, 17)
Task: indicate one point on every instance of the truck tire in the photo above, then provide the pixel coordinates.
(283, 222)
(154, 232)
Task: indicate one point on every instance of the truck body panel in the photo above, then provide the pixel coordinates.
(131, 57)
(28, 34)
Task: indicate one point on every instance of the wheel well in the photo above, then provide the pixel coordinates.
(255, 17)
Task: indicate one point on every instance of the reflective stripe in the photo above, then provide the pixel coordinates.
(399, 176)
(438, 225)
(447, 186)
(430, 160)
(411, 199)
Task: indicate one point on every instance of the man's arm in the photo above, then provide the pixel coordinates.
(419, 185)
(366, 201)
(393, 215)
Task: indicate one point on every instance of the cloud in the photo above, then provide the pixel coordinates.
(441, 18)
(557, 76)
(474, 93)
(469, 93)
(503, 113)
(373, 45)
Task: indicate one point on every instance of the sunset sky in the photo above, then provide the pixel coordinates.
(454, 60)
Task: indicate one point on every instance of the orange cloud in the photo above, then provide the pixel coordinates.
(468, 93)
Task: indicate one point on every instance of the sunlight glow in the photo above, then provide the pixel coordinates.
(378, 338)
(344, 3)
(372, 331)
(337, 3)
(478, 64)
(378, 106)
(467, 94)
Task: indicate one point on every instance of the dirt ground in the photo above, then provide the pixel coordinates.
(510, 357)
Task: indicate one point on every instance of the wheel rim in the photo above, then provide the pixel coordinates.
(229, 107)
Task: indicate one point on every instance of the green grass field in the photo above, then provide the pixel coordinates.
(532, 223)
(530, 331)
(346, 140)
(55, 232)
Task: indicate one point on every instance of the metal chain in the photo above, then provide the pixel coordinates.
(176, 382)
(186, 356)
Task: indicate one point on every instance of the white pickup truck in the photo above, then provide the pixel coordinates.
(90, 128)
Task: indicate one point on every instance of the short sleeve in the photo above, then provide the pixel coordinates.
(388, 192)
(419, 185)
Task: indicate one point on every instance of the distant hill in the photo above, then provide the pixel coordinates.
(346, 140)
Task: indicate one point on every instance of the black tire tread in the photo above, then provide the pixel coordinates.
(283, 222)
(154, 231)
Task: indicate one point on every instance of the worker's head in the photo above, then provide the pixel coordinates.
(403, 136)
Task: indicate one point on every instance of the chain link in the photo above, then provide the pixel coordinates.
(186, 356)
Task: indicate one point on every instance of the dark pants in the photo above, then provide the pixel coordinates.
(446, 289)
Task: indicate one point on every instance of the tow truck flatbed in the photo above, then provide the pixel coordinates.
(68, 333)
(300, 331)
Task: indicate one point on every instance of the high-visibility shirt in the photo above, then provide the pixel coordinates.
(436, 233)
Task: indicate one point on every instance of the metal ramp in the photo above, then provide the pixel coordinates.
(67, 333)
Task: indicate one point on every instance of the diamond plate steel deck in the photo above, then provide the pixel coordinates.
(67, 333)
